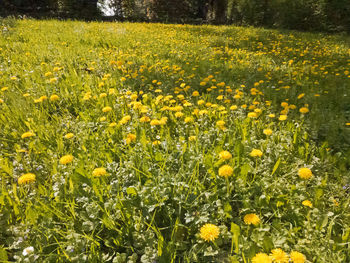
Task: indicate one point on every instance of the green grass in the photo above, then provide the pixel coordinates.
(162, 186)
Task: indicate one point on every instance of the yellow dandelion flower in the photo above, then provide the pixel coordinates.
(69, 135)
(54, 97)
(209, 232)
(192, 138)
(26, 178)
(225, 155)
(130, 138)
(163, 120)
(99, 172)
(307, 203)
(252, 115)
(155, 122)
(233, 107)
(297, 257)
(305, 173)
(66, 159)
(195, 93)
(220, 123)
(200, 102)
(27, 134)
(155, 143)
(301, 95)
(125, 120)
(279, 256)
(225, 171)
(303, 110)
(282, 117)
(145, 119)
(251, 219)
(188, 120)
(107, 109)
(271, 115)
(261, 258)
(256, 153)
(284, 104)
(179, 114)
(112, 124)
(267, 131)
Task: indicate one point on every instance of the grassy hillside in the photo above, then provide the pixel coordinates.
(129, 143)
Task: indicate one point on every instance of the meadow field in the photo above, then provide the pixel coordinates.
(126, 142)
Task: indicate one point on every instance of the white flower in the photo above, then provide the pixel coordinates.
(27, 251)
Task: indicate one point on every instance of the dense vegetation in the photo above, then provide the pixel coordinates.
(129, 143)
(319, 15)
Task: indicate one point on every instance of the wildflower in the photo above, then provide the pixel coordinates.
(202, 112)
(112, 124)
(27, 134)
(261, 258)
(251, 219)
(279, 256)
(103, 118)
(145, 119)
(209, 232)
(225, 171)
(271, 115)
(107, 109)
(130, 138)
(99, 172)
(54, 97)
(303, 110)
(69, 135)
(41, 99)
(220, 123)
(66, 159)
(233, 107)
(155, 143)
(297, 257)
(225, 155)
(200, 102)
(125, 120)
(188, 119)
(179, 114)
(267, 131)
(195, 94)
(27, 251)
(284, 104)
(252, 115)
(192, 138)
(103, 95)
(301, 95)
(305, 173)
(256, 153)
(307, 203)
(155, 122)
(87, 96)
(282, 117)
(26, 178)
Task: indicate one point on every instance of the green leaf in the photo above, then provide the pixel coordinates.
(131, 191)
(236, 231)
(3, 255)
(277, 164)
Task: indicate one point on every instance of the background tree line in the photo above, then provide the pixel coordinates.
(328, 15)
